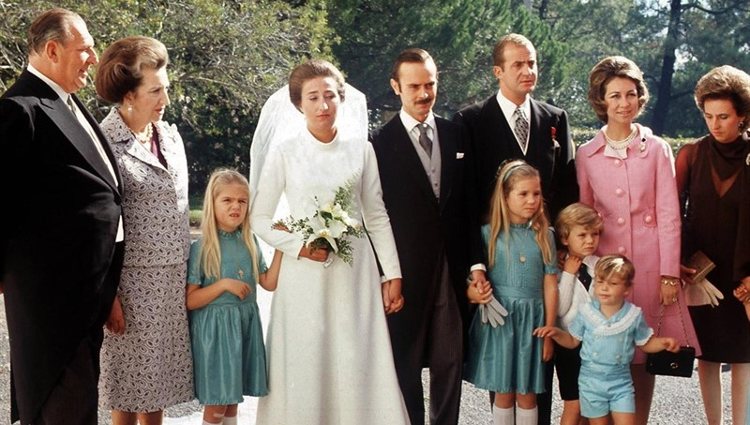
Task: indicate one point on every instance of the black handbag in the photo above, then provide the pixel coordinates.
(668, 363)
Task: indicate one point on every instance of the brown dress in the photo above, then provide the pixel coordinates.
(714, 184)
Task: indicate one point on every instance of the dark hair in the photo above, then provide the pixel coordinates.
(313, 69)
(726, 82)
(605, 71)
(412, 55)
(51, 25)
(122, 64)
(498, 53)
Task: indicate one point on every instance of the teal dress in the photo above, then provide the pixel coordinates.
(229, 358)
(508, 358)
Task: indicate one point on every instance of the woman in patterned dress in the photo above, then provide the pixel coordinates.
(146, 361)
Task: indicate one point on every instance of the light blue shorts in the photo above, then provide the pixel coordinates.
(604, 389)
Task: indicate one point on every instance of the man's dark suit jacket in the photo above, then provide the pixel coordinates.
(58, 224)
(427, 230)
(550, 150)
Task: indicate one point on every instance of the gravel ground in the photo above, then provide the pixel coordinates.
(677, 400)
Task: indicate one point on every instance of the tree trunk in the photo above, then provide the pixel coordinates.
(664, 93)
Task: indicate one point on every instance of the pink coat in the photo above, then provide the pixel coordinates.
(637, 198)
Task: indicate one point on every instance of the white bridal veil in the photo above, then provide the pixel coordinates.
(280, 119)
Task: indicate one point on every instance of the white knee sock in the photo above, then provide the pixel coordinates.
(230, 420)
(526, 416)
(502, 416)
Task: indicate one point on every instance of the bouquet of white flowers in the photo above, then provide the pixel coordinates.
(330, 226)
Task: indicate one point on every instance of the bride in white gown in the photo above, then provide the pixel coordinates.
(330, 359)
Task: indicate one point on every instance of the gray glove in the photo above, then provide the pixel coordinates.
(702, 293)
(493, 312)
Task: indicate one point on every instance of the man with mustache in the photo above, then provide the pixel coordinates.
(425, 180)
(61, 228)
(512, 125)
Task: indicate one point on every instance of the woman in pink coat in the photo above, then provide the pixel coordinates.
(627, 174)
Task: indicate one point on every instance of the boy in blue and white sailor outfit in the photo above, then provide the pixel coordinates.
(609, 327)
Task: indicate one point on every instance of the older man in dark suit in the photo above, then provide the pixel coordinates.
(426, 190)
(60, 229)
(512, 125)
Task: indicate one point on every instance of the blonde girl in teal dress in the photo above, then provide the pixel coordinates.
(227, 338)
(508, 359)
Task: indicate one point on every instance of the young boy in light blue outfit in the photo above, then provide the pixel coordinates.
(609, 327)
(578, 227)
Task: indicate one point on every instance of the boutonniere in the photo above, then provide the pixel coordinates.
(553, 133)
(642, 145)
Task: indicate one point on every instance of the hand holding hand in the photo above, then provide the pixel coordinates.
(479, 292)
(237, 287)
(546, 331)
(116, 320)
(393, 301)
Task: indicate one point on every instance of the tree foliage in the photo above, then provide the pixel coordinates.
(459, 34)
(226, 58)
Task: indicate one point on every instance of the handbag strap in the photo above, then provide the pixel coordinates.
(682, 321)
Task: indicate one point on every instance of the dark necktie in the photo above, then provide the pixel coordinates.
(424, 139)
(584, 276)
(521, 128)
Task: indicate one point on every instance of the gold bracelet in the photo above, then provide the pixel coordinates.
(669, 281)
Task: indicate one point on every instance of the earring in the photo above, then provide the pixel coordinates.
(741, 125)
(130, 109)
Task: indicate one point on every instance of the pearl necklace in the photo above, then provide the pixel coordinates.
(145, 136)
(621, 144)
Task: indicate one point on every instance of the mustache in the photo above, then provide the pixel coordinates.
(425, 101)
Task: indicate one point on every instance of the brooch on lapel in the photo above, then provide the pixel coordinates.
(642, 145)
(553, 133)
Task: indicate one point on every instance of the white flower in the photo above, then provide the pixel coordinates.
(329, 232)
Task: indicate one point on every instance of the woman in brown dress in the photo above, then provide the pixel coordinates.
(713, 178)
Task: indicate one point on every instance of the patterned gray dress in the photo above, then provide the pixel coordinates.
(149, 367)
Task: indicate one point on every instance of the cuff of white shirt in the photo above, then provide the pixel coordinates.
(478, 266)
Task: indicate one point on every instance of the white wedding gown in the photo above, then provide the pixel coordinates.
(329, 351)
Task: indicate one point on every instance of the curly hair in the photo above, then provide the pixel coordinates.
(605, 71)
(122, 64)
(729, 83)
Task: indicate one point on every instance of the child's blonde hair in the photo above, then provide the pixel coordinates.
(615, 265)
(210, 251)
(508, 175)
(577, 214)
